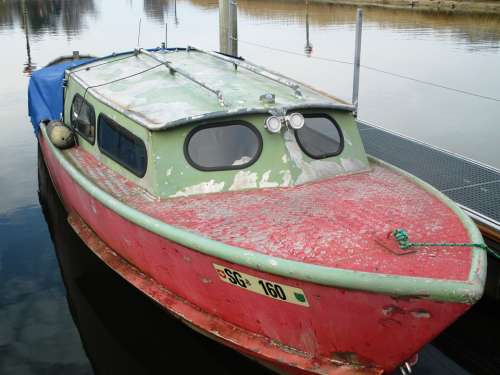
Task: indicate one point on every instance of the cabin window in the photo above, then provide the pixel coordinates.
(234, 145)
(320, 137)
(122, 146)
(83, 118)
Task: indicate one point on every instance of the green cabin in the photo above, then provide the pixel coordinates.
(180, 122)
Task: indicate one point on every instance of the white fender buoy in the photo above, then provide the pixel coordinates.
(60, 135)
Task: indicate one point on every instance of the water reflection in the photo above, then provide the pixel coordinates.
(477, 31)
(50, 16)
(29, 65)
(69, 17)
(122, 331)
(159, 10)
(308, 47)
(37, 335)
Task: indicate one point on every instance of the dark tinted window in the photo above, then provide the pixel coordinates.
(83, 118)
(320, 137)
(224, 146)
(122, 146)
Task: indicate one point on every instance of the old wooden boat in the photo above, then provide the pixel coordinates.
(243, 203)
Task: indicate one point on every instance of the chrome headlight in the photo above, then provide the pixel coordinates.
(296, 120)
(273, 124)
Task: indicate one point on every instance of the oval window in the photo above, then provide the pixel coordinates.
(83, 118)
(320, 137)
(223, 146)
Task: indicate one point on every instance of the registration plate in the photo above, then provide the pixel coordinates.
(271, 289)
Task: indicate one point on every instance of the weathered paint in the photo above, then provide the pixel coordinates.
(148, 181)
(322, 223)
(244, 180)
(338, 321)
(281, 163)
(169, 174)
(467, 291)
(266, 183)
(269, 352)
(202, 188)
(315, 226)
(159, 99)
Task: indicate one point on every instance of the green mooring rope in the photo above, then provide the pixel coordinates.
(402, 238)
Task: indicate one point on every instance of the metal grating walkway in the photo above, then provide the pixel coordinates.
(475, 187)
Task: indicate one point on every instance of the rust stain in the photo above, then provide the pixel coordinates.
(393, 310)
(364, 365)
(421, 314)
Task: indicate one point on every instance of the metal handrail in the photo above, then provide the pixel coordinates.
(254, 69)
(174, 70)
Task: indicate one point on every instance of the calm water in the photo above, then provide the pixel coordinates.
(41, 330)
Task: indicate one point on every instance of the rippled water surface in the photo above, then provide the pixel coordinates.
(38, 334)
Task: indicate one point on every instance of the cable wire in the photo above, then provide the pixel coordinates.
(126, 77)
(117, 80)
(397, 75)
(101, 64)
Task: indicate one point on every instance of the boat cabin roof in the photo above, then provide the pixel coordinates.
(164, 88)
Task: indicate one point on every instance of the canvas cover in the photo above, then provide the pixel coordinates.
(45, 92)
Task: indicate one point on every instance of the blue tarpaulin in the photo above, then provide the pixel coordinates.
(45, 92)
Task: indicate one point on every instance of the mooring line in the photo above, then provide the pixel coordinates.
(402, 238)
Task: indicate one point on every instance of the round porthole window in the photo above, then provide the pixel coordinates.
(320, 137)
(223, 146)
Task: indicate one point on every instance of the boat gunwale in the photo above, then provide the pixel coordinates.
(332, 103)
(468, 291)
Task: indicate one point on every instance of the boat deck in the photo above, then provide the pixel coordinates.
(324, 222)
(474, 186)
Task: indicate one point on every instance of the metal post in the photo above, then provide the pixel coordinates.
(308, 47)
(139, 33)
(233, 28)
(175, 13)
(357, 60)
(228, 27)
(223, 18)
(166, 34)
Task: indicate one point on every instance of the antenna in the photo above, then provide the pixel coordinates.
(139, 33)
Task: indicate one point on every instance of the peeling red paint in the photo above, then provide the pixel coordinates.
(393, 310)
(262, 348)
(340, 222)
(291, 338)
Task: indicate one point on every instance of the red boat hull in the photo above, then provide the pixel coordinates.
(340, 332)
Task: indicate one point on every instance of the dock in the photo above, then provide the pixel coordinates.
(475, 187)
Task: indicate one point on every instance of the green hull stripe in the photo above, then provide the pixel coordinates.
(435, 289)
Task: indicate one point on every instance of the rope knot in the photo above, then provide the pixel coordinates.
(402, 237)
